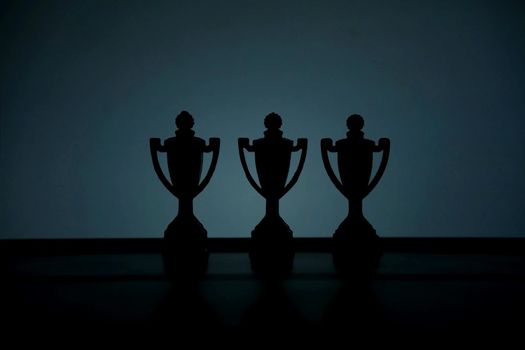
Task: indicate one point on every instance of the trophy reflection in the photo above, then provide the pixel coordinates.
(185, 156)
(355, 160)
(272, 161)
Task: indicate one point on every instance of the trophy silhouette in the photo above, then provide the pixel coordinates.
(355, 160)
(185, 155)
(272, 161)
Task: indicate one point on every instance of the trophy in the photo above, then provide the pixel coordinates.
(355, 160)
(184, 155)
(272, 160)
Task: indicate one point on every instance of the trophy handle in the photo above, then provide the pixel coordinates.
(244, 143)
(382, 145)
(155, 146)
(214, 146)
(327, 146)
(302, 144)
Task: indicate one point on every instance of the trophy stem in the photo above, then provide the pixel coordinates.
(185, 207)
(272, 207)
(355, 208)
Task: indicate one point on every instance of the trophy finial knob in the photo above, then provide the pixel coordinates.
(184, 121)
(355, 124)
(273, 121)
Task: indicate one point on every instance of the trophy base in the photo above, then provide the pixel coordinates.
(272, 228)
(185, 252)
(186, 229)
(357, 247)
(186, 233)
(354, 230)
(271, 248)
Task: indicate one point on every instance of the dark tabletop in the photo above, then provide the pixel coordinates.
(409, 292)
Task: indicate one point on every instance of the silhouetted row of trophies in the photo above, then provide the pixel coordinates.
(272, 235)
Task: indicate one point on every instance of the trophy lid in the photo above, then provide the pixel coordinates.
(273, 123)
(355, 124)
(185, 123)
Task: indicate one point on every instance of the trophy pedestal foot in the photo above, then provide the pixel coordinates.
(272, 229)
(185, 251)
(186, 231)
(357, 247)
(271, 248)
(356, 230)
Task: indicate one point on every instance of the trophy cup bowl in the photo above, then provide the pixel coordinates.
(272, 162)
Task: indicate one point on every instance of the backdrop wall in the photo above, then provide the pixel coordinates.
(85, 84)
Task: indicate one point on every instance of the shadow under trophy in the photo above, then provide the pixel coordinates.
(185, 235)
(355, 161)
(272, 238)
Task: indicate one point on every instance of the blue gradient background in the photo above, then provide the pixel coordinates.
(85, 84)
